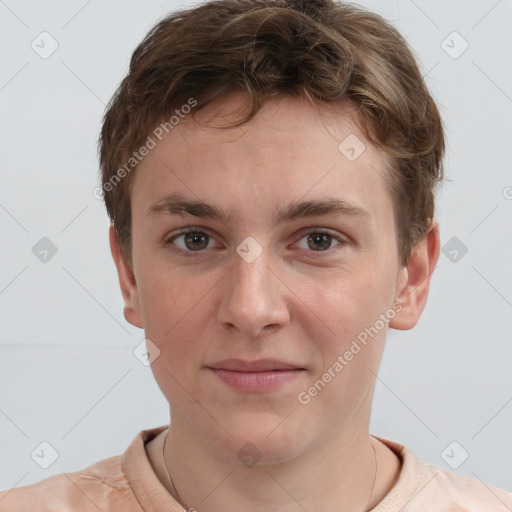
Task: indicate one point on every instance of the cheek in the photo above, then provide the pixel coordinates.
(350, 350)
(344, 301)
(343, 318)
(168, 293)
(175, 315)
(170, 307)
(179, 312)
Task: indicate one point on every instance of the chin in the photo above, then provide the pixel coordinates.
(259, 446)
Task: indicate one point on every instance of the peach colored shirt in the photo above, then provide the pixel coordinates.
(127, 483)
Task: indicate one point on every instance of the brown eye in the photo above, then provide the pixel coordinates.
(196, 241)
(319, 241)
(192, 241)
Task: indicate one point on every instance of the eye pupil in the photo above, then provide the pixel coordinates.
(324, 240)
(196, 238)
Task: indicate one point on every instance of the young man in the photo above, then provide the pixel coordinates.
(269, 168)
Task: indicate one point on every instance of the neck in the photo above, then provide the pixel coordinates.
(336, 475)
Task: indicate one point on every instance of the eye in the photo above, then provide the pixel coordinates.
(191, 240)
(319, 241)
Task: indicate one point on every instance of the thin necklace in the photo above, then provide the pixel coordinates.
(170, 477)
(183, 504)
(374, 477)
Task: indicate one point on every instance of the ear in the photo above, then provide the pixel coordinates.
(127, 282)
(414, 280)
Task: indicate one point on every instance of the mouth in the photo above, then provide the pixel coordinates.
(262, 375)
(260, 365)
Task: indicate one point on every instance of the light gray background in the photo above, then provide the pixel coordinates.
(68, 375)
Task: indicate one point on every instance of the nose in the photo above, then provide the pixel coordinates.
(253, 301)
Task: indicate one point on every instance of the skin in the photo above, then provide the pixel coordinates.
(300, 301)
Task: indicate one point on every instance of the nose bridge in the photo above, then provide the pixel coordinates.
(251, 260)
(250, 279)
(251, 299)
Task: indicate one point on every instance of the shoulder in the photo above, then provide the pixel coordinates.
(108, 485)
(422, 486)
(95, 487)
(463, 493)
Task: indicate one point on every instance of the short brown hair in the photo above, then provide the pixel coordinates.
(329, 51)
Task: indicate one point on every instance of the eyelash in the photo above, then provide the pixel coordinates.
(194, 254)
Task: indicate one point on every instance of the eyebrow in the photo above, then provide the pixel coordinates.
(179, 205)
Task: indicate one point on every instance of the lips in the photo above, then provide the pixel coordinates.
(261, 376)
(261, 365)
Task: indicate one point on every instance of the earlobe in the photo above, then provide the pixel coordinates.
(127, 282)
(414, 280)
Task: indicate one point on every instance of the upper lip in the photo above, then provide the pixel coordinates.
(261, 365)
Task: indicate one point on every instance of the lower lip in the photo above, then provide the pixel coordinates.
(256, 381)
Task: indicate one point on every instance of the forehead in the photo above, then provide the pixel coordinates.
(289, 151)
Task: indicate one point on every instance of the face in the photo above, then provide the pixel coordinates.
(262, 242)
